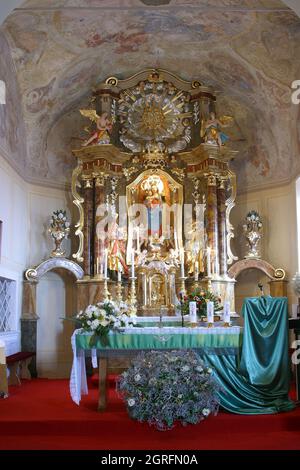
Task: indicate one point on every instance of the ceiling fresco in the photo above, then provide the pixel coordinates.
(55, 52)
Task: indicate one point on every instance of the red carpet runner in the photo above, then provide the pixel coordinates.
(41, 415)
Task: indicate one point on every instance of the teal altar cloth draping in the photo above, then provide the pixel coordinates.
(252, 365)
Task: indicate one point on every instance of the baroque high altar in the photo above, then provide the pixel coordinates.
(154, 191)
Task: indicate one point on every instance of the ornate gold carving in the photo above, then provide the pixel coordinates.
(78, 201)
(279, 273)
(128, 172)
(211, 180)
(100, 179)
(113, 81)
(179, 173)
(196, 84)
(230, 203)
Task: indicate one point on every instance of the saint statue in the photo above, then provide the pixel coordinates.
(154, 199)
(211, 129)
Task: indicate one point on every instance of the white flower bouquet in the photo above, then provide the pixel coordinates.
(105, 316)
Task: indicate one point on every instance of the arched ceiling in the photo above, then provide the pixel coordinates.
(54, 52)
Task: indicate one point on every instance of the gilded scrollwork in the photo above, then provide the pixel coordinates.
(78, 201)
(230, 203)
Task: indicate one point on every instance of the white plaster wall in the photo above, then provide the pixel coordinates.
(277, 206)
(25, 210)
(14, 216)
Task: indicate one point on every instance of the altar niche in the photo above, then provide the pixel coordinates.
(152, 146)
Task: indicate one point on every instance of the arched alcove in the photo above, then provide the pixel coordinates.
(49, 298)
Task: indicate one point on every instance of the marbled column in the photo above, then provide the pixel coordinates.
(87, 227)
(99, 200)
(29, 322)
(222, 226)
(212, 222)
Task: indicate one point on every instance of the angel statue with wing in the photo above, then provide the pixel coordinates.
(104, 127)
(211, 129)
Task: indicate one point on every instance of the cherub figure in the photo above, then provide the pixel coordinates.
(104, 127)
(211, 129)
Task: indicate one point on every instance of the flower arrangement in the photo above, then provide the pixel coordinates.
(105, 316)
(162, 387)
(59, 230)
(201, 297)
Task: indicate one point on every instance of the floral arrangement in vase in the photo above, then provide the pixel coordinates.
(252, 230)
(162, 387)
(105, 316)
(59, 230)
(201, 297)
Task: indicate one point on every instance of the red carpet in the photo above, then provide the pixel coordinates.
(41, 415)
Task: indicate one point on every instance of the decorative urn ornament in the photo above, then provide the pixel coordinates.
(252, 231)
(59, 230)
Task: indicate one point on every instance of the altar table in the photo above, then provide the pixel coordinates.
(215, 341)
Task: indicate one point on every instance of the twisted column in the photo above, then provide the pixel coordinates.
(87, 227)
(212, 222)
(222, 232)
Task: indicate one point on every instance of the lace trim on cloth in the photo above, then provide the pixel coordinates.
(78, 382)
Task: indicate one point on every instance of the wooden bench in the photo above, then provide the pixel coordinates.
(18, 367)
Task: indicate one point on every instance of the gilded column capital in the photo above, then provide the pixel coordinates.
(100, 180)
(211, 180)
(87, 183)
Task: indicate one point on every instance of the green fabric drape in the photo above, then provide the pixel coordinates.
(260, 383)
(264, 361)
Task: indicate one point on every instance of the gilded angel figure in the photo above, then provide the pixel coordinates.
(211, 129)
(104, 127)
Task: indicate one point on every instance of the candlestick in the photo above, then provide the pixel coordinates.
(210, 314)
(106, 293)
(132, 297)
(208, 261)
(119, 292)
(132, 264)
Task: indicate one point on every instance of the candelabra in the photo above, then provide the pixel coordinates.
(132, 300)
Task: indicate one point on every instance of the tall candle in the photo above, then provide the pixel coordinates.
(105, 263)
(2, 353)
(132, 263)
(208, 261)
(196, 270)
(182, 263)
(176, 241)
(119, 275)
(226, 312)
(210, 312)
(138, 239)
(193, 312)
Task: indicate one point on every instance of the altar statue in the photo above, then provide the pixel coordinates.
(211, 129)
(154, 199)
(103, 124)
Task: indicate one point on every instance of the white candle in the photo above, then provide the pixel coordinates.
(210, 312)
(119, 275)
(138, 239)
(196, 271)
(182, 263)
(176, 241)
(208, 251)
(226, 312)
(193, 312)
(105, 263)
(132, 263)
(101, 269)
